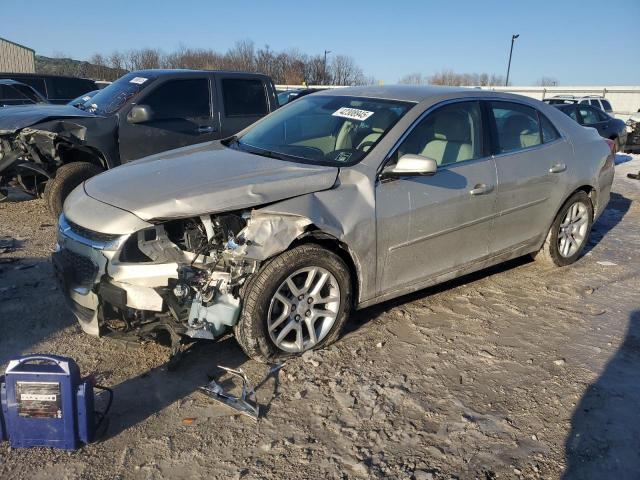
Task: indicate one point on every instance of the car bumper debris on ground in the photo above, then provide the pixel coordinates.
(519, 371)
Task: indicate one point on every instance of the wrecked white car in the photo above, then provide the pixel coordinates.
(337, 201)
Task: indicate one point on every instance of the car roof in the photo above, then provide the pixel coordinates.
(8, 81)
(39, 75)
(153, 73)
(417, 93)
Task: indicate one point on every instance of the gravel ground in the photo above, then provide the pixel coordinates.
(519, 371)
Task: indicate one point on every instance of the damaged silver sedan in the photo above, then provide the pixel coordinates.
(340, 200)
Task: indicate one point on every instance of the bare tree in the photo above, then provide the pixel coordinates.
(412, 79)
(290, 67)
(547, 82)
(241, 56)
(449, 77)
(344, 71)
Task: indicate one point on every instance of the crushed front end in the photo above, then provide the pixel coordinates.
(180, 277)
(30, 156)
(177, 279)
(632, 143)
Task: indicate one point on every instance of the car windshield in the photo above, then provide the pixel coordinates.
(111, 98)
(323, 129)
(559, 101)
(82, 99)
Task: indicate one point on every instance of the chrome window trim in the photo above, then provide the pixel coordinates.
(527, 149)
(435, 106)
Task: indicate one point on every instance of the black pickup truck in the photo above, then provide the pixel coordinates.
(50, 149)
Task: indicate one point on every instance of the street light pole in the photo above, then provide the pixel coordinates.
(324, 68)
(513, 39)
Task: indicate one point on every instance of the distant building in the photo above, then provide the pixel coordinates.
(16, 58)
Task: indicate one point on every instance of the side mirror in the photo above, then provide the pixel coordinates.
(140, 114)
(412, 165)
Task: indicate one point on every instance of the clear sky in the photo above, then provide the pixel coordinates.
(577, 42)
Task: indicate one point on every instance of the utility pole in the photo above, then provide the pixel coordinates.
(324, 69)
(513, 39)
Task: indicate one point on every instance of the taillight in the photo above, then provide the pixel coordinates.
(612, 145)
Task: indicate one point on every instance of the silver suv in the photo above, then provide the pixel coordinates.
(335, 202)
(593, 100)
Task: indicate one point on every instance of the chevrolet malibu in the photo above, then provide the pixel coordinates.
(340, 200)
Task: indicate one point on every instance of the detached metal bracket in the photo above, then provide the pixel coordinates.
(246, 403)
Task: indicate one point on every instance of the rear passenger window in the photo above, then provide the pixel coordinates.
(517, 126)
(549, 132)
(187, 98)
(571, 112)
(244, 96)
(37, 83)
(589, 116)
(68, 88)
(451, 134)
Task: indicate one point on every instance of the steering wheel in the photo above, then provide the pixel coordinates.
(364, 145)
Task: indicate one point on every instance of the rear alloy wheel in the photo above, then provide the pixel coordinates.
(569, 232)
(298, 301)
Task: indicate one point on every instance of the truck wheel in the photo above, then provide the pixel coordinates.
(297, 302)
(569, 232)
(68, 177)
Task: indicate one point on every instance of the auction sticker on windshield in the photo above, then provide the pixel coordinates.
(352, 113)
(138, 80)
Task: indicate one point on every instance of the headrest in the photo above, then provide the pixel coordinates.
(381, 120)
(519, 124)
(453, 126)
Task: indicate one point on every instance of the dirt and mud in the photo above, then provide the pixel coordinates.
(519, 371)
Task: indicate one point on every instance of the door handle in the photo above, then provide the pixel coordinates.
(558, 168)
(206, 129)
(481, 189)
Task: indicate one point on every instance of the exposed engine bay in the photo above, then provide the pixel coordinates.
(215, 255)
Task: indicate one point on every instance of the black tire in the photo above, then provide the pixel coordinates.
(68, 177)
(550, 253)
(251, 330)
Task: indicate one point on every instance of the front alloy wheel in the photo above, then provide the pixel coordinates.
(304, 309)
(298, 301)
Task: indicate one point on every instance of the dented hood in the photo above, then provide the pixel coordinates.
(204, 178)
(21, 116)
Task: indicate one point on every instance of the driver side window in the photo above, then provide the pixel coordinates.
(450, 134)
(180, 99)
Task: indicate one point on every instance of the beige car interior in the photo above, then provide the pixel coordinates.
(519, 131)
(351, 135)
(447, 136)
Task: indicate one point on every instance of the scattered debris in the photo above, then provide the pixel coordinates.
(606, 263)
(559, 362)
(246, 403)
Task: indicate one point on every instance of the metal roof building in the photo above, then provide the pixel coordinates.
(16, 58)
